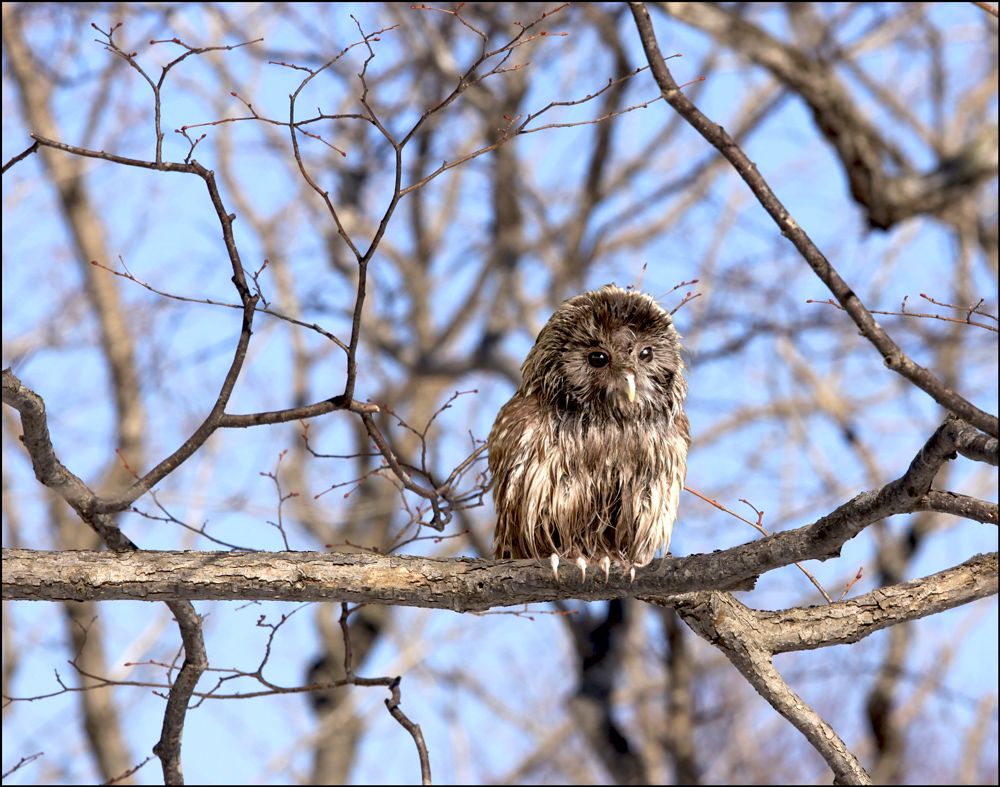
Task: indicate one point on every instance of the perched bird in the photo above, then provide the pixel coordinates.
(589, 456)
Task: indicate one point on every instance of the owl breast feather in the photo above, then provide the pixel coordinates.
(577, 484)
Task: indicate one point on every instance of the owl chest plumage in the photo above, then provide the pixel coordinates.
(573, 484)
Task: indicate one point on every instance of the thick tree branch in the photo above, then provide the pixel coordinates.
(845, 622)
(459, 584)
(750, 638)
(731, 627)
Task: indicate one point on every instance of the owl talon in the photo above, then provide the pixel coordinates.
(605, 563)
(631, 573)
(554, 562)
(582, 563)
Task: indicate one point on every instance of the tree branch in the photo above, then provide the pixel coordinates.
(458, 584)
(892, 354)
(863, 151)
(720, 619)
(846, 622)
(168, 748)
(749, 638)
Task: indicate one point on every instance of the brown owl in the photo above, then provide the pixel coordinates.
(589, 456)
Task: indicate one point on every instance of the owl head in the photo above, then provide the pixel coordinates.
(611, 352)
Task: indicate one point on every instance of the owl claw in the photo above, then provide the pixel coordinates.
(605, 563)
(631, 573)
(582, 563)
(554, 562)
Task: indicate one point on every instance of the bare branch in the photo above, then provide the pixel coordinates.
(459, 584)
(168, 748)
(894, 357)
(721, 620)
(749, 637)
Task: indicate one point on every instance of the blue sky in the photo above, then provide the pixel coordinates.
(164, 229)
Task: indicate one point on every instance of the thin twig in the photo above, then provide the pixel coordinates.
(760, 528)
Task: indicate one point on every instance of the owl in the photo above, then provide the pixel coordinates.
(588, 458)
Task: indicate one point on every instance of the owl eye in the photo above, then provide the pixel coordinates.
(646, 355)
(598, 358)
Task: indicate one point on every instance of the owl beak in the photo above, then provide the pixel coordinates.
(630, 382)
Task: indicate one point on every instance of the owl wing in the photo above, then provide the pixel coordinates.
(516, 424)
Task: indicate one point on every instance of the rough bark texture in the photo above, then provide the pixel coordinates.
(458, 584)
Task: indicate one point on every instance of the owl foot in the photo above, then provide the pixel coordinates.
(554, 562)
(582, 563)
(605, 563)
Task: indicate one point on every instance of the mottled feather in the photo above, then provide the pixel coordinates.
(589, 456)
